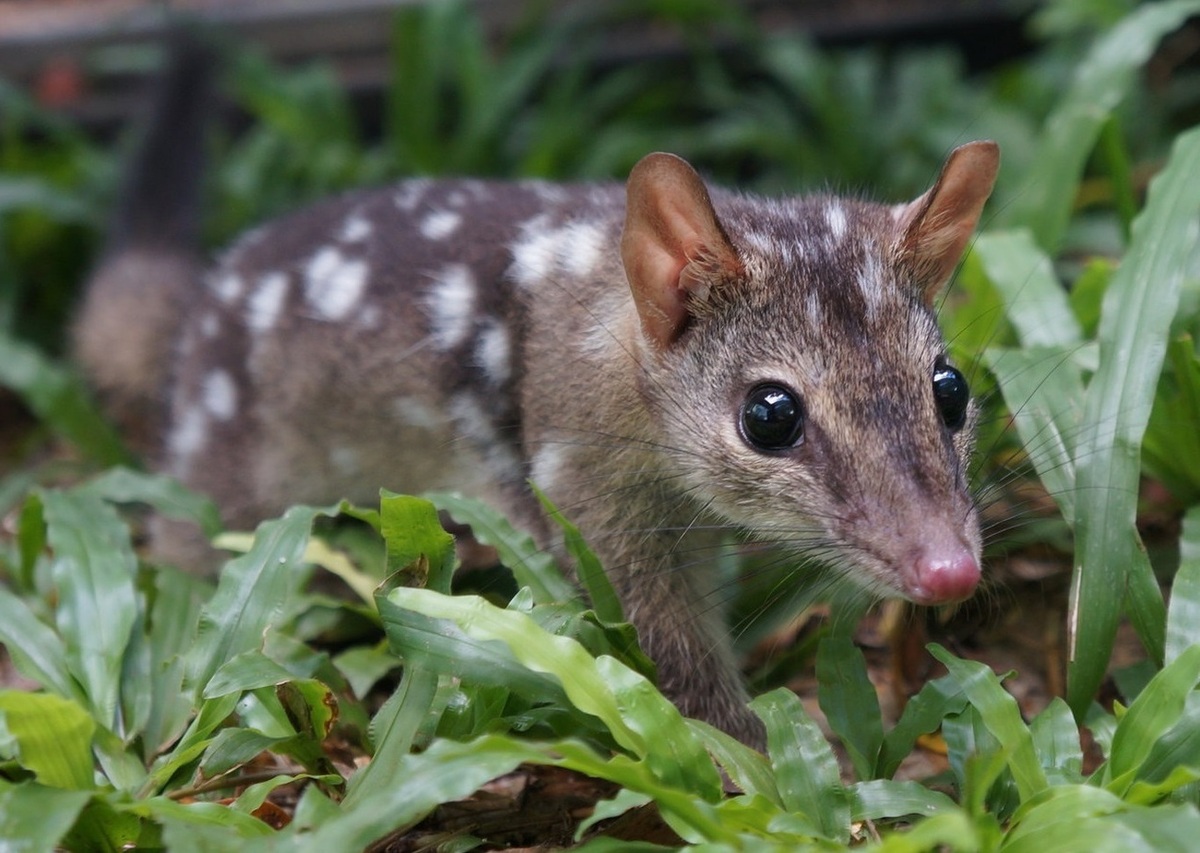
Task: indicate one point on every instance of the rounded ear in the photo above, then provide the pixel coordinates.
(673, 245)
(934, 229)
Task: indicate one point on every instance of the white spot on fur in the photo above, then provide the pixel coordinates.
(189, 434)
(210, 325)
(410, 194)
(451, 304)
(228, 287)
(812, 307)
(548, 466)
(535, 254)
(868, 277)
(440, 224)
(334, 284)
(345, 460)
(220, 395)
(266, 302)
(760, 243)
(458, 198)
(494, 352)
(416, 412)
(356, 228)
(835, 218)
(582, 246)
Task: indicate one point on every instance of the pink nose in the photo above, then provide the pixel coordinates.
(943, 578)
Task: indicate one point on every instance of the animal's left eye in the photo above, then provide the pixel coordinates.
(952, 395)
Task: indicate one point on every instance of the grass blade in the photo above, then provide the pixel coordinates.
(1138, 308)
(1035, 302)
(1183, 615)
(1102, 81)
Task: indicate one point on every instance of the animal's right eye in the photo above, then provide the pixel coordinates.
(772, 418)
(952, 395)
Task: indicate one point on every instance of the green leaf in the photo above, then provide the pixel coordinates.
(364, 666)
(1171, 454)
(164, 494)
(34, 817)
(748, 768)
(411, 529)
(880, 799)
(1056, 741)
(1138, 308)
(57, 397)
(394, 729)
(50, 736)
(532, 567)
(93, 570)
(1002, 718)
(1183, 615)
(1036, 302)
(1152, 714)
(849, 701)
(1064, 818)
(591, 574)
(1044, 390)
(638, 717)
(923, 714)
(36, 650)
(806, 770)
(253, 592)
(1101, 82)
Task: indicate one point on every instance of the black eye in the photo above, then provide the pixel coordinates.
(772, 418)
(951, 394)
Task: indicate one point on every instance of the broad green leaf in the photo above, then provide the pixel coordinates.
(1153, 713)
(1044, 390)
(1183, 615)
(394, 729)
(411, 530)
(253, 592)
(50, 736)
(173, 617)
(1056, 741)
(1101, 82)
(1171, 453)
(879, 799)
(532, 567)
(93, 568)
(233, 747)
(1000, 714)
(849, 701)
(1138, 308)
(201, 826)
(923, 714)
(951, 830)
(58, 398)
(748, 768)
(638, 717)
(1036, 302)
(37, 651)
(248, 671)
(1070, 817)
(35, 817)
(441, 646)
(591, 574)
(364, 666)
(1165, 827)
(164, 494)
(806, 770)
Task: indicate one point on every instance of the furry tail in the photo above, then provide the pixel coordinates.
(127, 324)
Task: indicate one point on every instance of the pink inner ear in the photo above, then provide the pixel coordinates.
(669, 223)
(935, 228)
